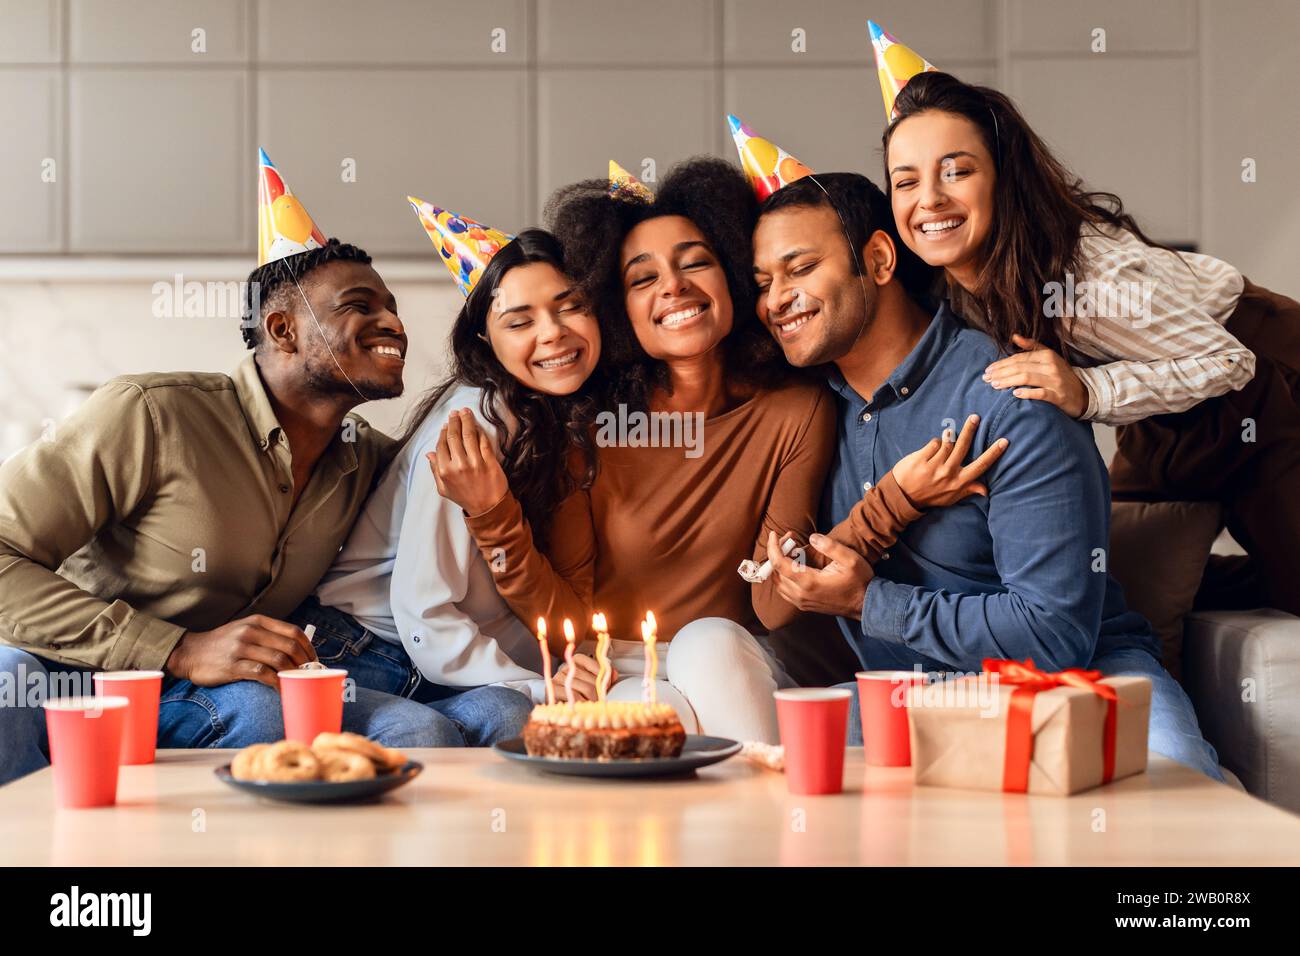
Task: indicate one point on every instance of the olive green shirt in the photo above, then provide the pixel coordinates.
(165, 504)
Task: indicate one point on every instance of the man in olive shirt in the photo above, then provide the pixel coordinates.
(176, 519)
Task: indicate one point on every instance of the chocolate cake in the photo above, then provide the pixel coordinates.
(608, 730)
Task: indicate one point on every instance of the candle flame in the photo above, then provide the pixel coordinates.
(650, 619)
(568, 630)
(541, 628)
(647, 632)
(598, 621)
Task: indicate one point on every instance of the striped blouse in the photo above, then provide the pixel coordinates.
(1145, 327)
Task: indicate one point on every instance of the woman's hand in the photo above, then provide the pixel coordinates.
(465, 466)
(1040, 374)
(933, 476)
(585, 670)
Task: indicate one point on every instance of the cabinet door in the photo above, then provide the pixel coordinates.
(159, 161)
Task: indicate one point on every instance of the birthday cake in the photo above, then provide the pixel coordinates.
(604, 730)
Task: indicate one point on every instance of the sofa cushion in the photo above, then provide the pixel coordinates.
(1158, 552)
(1242, 672)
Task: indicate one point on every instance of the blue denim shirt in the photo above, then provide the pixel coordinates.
(1018, 574)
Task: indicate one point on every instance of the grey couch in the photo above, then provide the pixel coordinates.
(1242, 672)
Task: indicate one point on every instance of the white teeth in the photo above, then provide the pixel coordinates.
(681, 315)
(387, 350)
(791, 325)
(941, 226)
(567, 359)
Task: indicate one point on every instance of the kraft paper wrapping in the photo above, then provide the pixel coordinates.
(959, 734)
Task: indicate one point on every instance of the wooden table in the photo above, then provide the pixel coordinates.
(473, 807)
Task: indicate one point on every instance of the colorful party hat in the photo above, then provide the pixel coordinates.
(897, 64)
(767, 165)
(466, 246)
(623, 184)
(283, 226)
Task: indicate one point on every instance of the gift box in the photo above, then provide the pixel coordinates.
(1018, 729)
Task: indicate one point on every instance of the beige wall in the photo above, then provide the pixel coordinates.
(154, 143)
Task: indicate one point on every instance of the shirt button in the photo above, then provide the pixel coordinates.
(866, 416)
(884, 556)
(284, 489)
(903, 389)
(866, 486)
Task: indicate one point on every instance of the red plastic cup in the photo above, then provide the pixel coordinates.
(85, 748)
(312, 701)
(882, 701)
(814, 725)
(143, 689)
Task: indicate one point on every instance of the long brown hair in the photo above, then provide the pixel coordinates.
(551, 451)
(1039, 208)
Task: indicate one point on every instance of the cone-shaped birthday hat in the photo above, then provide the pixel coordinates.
(466, 246)
(897, 64)
(767, 165)
(284, 227)
(624, 184)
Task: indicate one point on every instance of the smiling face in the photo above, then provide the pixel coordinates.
(541, 329)
(941, 188)
(810, 298)
(674, 289)
(358, 318)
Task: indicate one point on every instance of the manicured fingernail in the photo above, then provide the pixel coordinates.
(1019, 393)
(973, 418)
(1003, 442)
(816, 538)
(986, 376)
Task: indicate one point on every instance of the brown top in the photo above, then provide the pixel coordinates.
(165, 503)
(665, 532)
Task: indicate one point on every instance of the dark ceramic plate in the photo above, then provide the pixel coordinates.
(320, 791)
(698, 752)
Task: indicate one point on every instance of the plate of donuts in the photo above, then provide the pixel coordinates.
(335, 768)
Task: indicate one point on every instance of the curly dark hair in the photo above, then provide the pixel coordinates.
(268, 284)
(591, 225)
(551, 452)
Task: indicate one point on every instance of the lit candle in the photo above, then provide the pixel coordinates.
(602, 655)
(546, 660)
(651, 658)
(568, 661)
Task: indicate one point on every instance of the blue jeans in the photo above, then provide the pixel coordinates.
(1173, 732)
(481, 715)
(232, 715)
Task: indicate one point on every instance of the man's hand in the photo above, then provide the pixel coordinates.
(1040, 374)
(252, 648)
(933, 476)
(465, 466)
(585, 670)
(839, 588)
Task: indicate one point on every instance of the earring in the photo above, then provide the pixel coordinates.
(482, 336)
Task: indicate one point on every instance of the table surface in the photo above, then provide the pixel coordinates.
(474, 807)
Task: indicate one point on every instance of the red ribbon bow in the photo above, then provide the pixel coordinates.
(1028, 681)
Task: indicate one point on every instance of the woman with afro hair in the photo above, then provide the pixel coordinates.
(745, 449)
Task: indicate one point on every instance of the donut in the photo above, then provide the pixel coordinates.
(384, 758)
(340, 765)
(288, 761)
(244, 766)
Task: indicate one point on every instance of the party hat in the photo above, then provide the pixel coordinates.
(284, 227)
(466, 246)
(623, 184)
(897, 64)
(767, 165)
